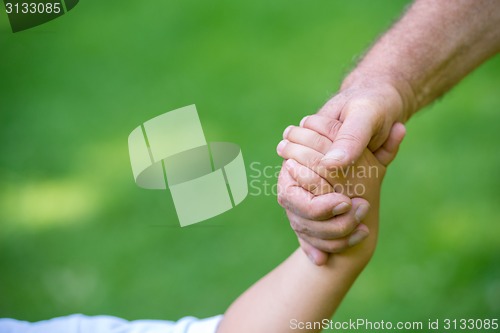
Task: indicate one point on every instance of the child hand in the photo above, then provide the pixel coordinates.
(306, 146)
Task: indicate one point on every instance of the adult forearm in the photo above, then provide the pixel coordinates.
(432, 47)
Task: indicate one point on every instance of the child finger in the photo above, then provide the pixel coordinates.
(386, 154)
(303, 155)
(326, 126)
(308, 179)
(308, 138)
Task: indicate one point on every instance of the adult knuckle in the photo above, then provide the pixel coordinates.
(333, 128)
(348, 137)
(370, 107)
(361, 103)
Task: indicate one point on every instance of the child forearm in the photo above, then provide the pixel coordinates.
(298, 291)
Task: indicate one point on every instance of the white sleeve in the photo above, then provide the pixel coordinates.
(106, 324)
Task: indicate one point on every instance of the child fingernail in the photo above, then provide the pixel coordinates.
(303, 121)
(287, 130)
(361, 212)
(311, 257)
(290, 164)
(357, 237)
(281, 146)
(341, 208)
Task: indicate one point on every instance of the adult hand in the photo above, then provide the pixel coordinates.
(323, 220)
(325, 223)
(367, 110)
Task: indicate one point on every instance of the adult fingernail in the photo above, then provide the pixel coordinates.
(287, 130)
(281, 146)
(303, 121)
(357, 237)
(341, 208)
(361, 212)
(335, 154)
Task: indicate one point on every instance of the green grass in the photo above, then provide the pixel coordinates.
(77, 235)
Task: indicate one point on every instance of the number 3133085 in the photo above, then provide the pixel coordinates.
(33, 8)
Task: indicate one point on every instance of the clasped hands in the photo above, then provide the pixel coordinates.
(332, 209)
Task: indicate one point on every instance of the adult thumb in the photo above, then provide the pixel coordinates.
(353, 137)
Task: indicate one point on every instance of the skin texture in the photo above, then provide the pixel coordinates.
(298, 289)
(309, 206)
(433, 46)
(429, 50)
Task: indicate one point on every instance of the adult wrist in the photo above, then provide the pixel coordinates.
(393, 86)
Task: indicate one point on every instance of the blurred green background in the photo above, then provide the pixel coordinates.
(78, 236)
